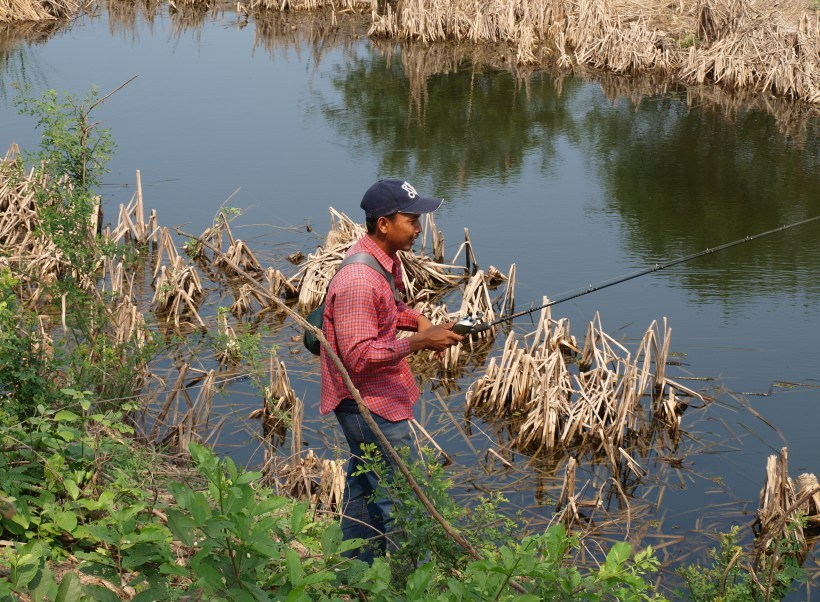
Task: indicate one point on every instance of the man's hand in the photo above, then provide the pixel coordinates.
(435, 338)
(423, 324)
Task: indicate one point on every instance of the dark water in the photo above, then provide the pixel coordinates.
(573, 186)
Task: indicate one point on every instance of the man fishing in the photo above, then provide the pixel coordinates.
(361, 318)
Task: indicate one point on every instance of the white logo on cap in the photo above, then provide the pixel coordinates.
(411, 192)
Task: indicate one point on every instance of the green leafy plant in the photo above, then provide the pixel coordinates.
(435, 568)
(26, 368)
(689, 40)
(244, 542)
(728, 576)
(88, 352)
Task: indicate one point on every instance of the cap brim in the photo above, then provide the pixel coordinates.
(423, 205)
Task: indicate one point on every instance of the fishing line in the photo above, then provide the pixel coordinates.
(472, 324)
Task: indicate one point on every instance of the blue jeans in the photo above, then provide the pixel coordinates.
(365, 515)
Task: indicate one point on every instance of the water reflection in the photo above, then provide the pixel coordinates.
(460, 127)
(711, 180)
(665, 166)
(17, 63)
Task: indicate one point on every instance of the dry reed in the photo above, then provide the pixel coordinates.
(737, 44)
(309, 5)
(599, 404)
(278, 402)
(779, 533)
(12, 11)
(22, 241)
(178, 289)
(132, 226)
(183, 420)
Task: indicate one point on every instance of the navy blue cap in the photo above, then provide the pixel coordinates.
(387, 197)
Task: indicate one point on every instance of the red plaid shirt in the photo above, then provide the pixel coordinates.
(360, 323)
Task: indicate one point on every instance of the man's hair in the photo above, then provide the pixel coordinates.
(371, 222)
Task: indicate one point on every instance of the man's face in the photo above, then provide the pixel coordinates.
(401, 230)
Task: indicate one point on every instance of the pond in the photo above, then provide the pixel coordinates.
(575, 180)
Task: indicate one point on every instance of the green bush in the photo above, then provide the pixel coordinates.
(434, 567)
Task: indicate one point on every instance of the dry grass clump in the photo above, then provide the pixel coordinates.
(320, 31)
(178, 291)
(183, 419)
(745, 47)
(38, 260)
(131, 224)
(18, 208)
(304, 475)
(779, 532)
(247, 298)
(476, 302)
(520, 23)
(123, 15)
(277, 405)
(12, 11)
(552, 406)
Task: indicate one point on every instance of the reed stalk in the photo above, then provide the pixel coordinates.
(14, 11)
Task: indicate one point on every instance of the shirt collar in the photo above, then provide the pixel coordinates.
(387, 261)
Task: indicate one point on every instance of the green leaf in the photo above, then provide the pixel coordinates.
(154, 594)
(67, 521)
(298, 517)
(619, 553)
(72, 489)
(182, 526)
(43, 587)
(70, 589)
(331, 539)
(294, 567)
(140, 555)
(208, 575)
(298, 594)
(269, 505)
(199, 453)
(66, 416)
(98, 593)
(172, 568)
(247, 477)
(199, 507)
(259, 595)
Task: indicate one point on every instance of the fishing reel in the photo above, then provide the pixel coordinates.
(470, 325)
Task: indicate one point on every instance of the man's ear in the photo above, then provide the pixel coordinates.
(381, 225)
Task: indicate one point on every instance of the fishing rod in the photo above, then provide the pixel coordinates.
(473, 324)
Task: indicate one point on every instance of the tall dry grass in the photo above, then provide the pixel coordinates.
(739, 44)
(14, 11)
